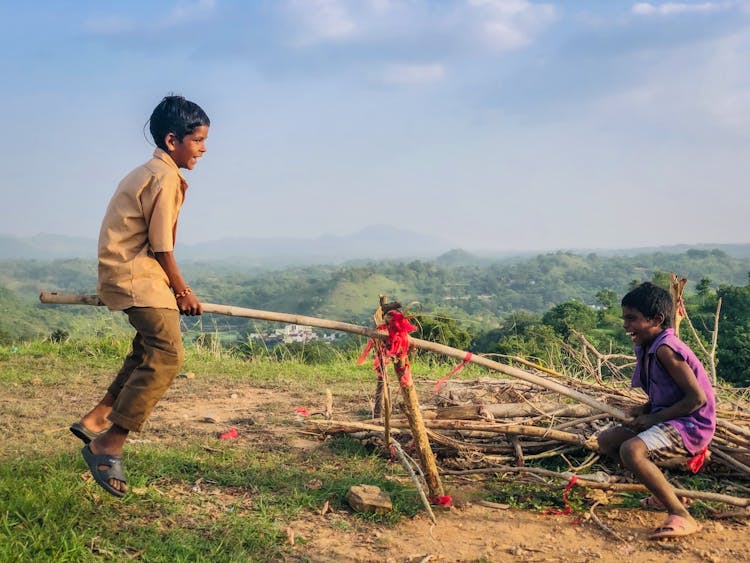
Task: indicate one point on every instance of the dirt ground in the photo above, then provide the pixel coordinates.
(466, 532)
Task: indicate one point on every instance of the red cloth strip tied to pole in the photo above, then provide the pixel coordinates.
(399, 328)
(453, 372)
(376, 360)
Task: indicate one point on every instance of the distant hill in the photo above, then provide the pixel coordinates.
(457, 256)
(46, 247)
(453, 283)
(376, 242)
(737, 250)
(373, 242)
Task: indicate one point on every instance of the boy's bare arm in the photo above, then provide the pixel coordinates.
(188, 304)
(693, 396)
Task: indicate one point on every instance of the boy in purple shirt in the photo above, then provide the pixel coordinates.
(679, 418)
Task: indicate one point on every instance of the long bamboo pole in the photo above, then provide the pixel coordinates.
(77, 299)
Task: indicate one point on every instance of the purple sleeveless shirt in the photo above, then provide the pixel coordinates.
(697, 428)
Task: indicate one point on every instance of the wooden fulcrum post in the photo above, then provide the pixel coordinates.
(397, 347)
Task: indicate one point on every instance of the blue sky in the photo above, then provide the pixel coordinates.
(494, 124)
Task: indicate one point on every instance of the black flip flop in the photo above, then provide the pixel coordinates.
(83, 433)
(114, 469)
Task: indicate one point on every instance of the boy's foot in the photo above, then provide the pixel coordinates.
(675, 526)
(106, 470)
(83, 433)
(653, 503)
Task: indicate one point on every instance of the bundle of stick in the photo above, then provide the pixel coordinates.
(535, 424)
(500, 426)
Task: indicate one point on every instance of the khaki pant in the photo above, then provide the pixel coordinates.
(150, 367)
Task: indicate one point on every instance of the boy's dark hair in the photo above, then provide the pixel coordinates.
(175, 114)
(650, 300)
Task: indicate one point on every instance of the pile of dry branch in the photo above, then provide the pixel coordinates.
(501, 425)
(497, 425)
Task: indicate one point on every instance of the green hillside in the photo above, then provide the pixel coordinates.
(351, 299)
(501, 307)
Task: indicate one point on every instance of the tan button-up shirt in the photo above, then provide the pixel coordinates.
(141, 219)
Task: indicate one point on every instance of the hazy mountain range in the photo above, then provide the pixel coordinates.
(373, 242)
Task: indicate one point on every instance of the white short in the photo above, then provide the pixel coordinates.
(663, 442)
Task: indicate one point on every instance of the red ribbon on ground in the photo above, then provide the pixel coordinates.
(696, 462)
(230, 434)
(568, 509)
(453, 372)
(444, 500)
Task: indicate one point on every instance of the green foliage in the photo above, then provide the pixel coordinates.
(231, 501)
(442, 329)
(522, 334)
(607, 299)
(49, 514)
(662, 279)
(570, 316)
(734, 343)
(314, 353)
(474, 303)
(704, 287)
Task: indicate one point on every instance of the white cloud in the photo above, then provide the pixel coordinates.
(413, 74)
(506, 25)
(726, 82)
(321, 20)
(180, 14)
(185, 12)
(701, 86)
(504, 37)
(673, 8)
(497, 25)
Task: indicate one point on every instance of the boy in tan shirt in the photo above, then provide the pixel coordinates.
(138, 275)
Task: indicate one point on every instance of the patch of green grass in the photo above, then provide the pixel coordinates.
(532, 496)
(186, 503)
(230, 502)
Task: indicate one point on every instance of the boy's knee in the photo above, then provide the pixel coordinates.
(180, 356)
(173, 362)
(633, 449)
(610, 440)
(605, 445)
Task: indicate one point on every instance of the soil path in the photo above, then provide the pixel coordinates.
(466, 532)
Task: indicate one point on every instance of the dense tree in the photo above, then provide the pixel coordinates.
(570, 315)
(607, 299)
(704, 287)
(522, 334)
(442, 329)
(492, 294)
(734, 335)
